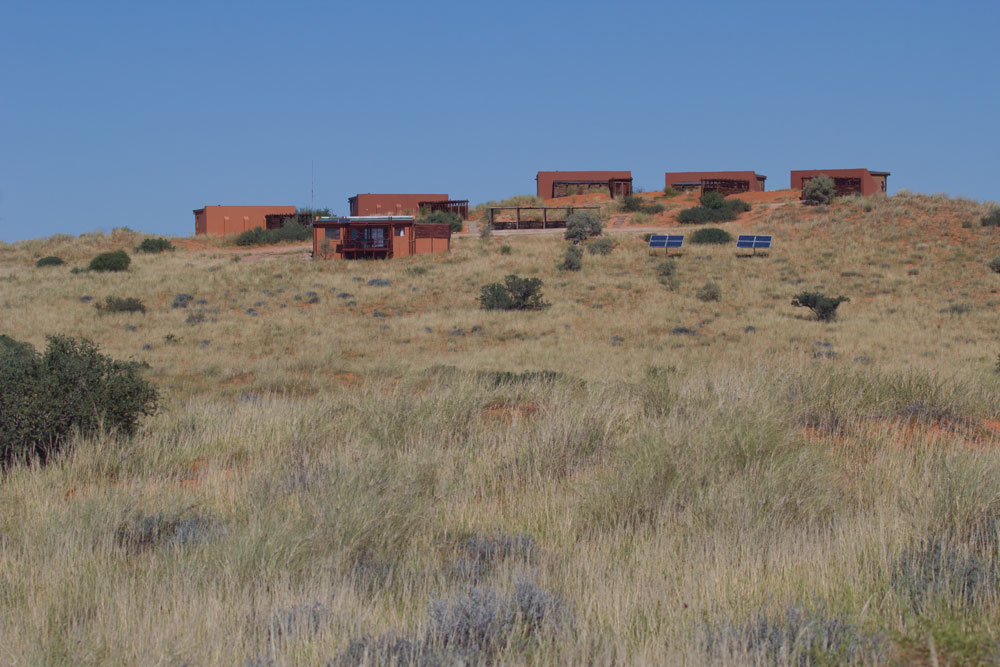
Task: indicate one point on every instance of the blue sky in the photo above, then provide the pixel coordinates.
(133, 114)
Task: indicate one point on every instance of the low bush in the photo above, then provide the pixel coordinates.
(709, 292)
(51, 260)
(711, 235)
(572, 260)
(601, 246)
(292, 231)
(117, 260)
(142, 532)
(506, 249)
(713, 208)
(514, 293)
(154, 246)
(819, 191)
(670, 192)
(481, 554)
(581, 225)
(994, 264)
(114, 304)
(666, 269)
(507, 378)
(72, 387)
(636, 204)
(453, 220)
(991, 219)
(824, 307)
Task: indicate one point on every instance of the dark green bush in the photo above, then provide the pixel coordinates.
(153, 246)
(631, 203)
(110, 261)
(994, 264)
(711, 235)
(573, 259)
(601, 246)
(819, 190)
(51, 260)
(713, 208)
(292, 231)
(824, 307)
(506, 249)
(581, 225)
(991, 219)
(514, 293)
(667, 268)
(453, 220)
(114, 304)
(72, 387)
(709, 292)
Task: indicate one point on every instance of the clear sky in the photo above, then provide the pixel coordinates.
(135, 113)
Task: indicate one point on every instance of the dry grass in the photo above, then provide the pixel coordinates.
(317, 470)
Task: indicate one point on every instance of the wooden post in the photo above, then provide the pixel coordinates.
(518, 225)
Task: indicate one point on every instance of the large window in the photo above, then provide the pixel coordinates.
(333, 233)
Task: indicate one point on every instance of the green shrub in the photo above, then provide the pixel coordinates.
(994, 264)
(666, 269)
(514, 293)
(506, 249)
(991, 219)
(670, 192)
(631, 203)
(573, 259)
(819, 190)
(824, 307)
(51, 260)
(110, 261)
(601, 246)
(292, 231)
(46, 398)
(453, 220)
(583, 224)
(709, 292)
(713, 208)
(114, 304)
(711, 235)
(154, 246)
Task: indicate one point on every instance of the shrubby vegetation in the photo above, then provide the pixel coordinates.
(117, 260)
(514, 293)
(991, 219)
(601, 246)
(711, 235)
(713, 208)
(819, 191)
(710, 291)
(636, 204)
(292, 231)
(72, 387)
(994, 264)
(573, 259)
(581, 225)
(824, 307)
(50, 260)
(114, 304)
(154, 245)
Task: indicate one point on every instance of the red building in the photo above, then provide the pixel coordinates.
(405, 204)
(725, 182)
(561, 183)
(378, 237)
(846, 181)
(235, 219)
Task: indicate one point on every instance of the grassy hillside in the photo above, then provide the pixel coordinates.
(378, 474)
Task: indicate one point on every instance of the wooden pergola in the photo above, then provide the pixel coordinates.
(547, 221)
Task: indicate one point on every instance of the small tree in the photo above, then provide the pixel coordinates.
(711, 235)
(581, 225)
(514, 293)
(110, 261)
(573, 259)
(824, 307)
(819, 191)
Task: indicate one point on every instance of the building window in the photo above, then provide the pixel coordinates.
(333, 233)
(400, 231)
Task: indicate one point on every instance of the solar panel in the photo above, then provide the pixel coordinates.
(753, 241)
(666, 240)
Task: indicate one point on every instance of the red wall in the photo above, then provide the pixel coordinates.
(688, 176)
(870, 185)
(234, 219)
(380, 204)
(547, 178)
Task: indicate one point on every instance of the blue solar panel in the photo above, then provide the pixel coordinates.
(666, 240)
(675, 240)
(753, 241)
